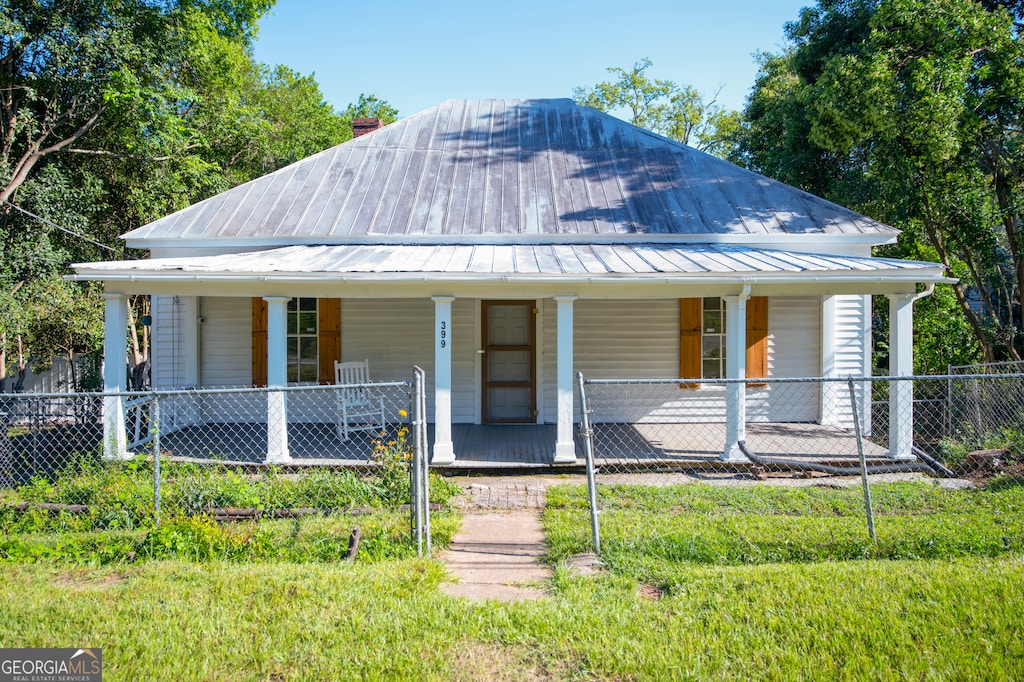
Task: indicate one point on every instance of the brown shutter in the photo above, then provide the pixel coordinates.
(689, 341)
(329, 330)
(757, 339)
(259, 342)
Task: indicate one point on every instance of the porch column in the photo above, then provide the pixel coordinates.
(831, 394)
(901, 364)
(277, 376)
(115, 375)
(735, 368)
(565, 446)
(444, 453)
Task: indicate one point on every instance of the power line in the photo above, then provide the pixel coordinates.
(62, 229)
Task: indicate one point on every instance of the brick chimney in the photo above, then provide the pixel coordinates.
(361, 126)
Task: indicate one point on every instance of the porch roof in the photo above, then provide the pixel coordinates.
(507, 262)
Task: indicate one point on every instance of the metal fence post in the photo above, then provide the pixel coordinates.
(416, 511)
(425, 474)
(588, 449)
(154, 419)
(863, 461)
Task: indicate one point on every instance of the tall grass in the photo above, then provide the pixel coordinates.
(120, 496)
(646, 532)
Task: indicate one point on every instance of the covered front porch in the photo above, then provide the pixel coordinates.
(507, 447)
(605, 311)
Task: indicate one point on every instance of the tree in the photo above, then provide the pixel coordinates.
(116, 112)
(910, 110)
(371, 106)
(677, 112)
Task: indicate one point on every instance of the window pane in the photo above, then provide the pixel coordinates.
(293, 323)
(712, 322)
(307, 372)
(293, 304)
(307, 304)
(293, 350)
(293, 373)
(307, 348)
(712, 369)
(713, 347)
(307, 323)
(508, 365)
(714, 316)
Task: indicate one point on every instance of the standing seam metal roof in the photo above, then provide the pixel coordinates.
(444, 261)
(506, 168)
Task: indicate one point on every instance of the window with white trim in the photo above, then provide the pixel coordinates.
(713, 335)
(303, 340)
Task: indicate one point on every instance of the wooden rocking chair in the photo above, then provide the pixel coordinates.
(360, 408)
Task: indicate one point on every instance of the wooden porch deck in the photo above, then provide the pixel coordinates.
(527, 446)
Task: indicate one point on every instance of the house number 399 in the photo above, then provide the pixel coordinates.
(443, 334)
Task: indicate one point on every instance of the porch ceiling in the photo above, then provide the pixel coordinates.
(524, 263)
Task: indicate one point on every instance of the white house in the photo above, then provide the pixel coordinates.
(503, 245)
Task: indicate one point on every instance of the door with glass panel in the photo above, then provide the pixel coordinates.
(509, 362)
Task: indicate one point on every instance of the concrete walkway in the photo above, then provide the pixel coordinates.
(496, 555)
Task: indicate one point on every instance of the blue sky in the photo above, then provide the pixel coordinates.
(417, 54)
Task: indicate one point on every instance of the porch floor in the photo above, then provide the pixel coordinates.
(526, 446)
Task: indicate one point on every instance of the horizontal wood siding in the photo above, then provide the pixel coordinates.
(853, 314)
(225, 337)
(464, 361)
(172, 339)
(165, 368)
(393, 335)
(616, 339)
(640, 340)
(794, 350)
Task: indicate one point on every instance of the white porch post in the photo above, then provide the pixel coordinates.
(901, 364)
(830, 397)
(115, 375)
(735, 368)
(565, 446)
(277, 376)
(444, 453)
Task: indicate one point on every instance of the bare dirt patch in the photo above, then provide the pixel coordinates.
(649, 592)
(476, 661)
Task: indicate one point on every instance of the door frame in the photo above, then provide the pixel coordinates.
(531, 348)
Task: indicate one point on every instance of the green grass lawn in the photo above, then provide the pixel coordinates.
(957, 619)
(680, 599)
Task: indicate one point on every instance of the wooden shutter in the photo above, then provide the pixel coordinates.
(757, 339)
(329, 330)
(689, 341)
(259, 342)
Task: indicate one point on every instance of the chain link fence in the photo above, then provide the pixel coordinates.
(223, 454)
(800, 432)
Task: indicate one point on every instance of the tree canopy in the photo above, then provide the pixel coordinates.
(116, 112)
(679, 112)
(910, 111)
